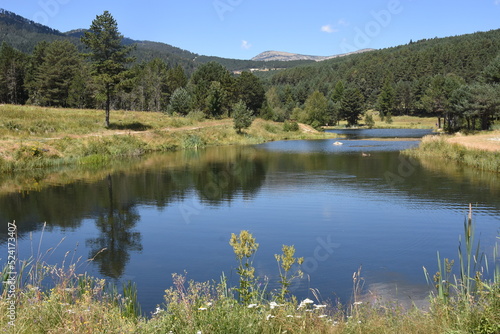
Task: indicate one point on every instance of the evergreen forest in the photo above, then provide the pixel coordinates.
(456, 79)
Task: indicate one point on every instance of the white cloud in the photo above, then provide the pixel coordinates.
(328, 29)
(245, 45)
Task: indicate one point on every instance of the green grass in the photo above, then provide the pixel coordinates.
(437, 147)
(398, 122)
(463, 303)
(34, 137)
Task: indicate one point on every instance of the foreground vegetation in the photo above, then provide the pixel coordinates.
(33, 137)
(463, 303)
(483, 155)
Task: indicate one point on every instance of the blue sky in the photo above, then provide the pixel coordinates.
(244, 28)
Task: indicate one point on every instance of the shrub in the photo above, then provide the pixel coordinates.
(290, 126)
(242, 116)
(180, 102)
(369, 122)
(196, 115)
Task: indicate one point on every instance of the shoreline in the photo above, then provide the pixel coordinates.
(478, 151)
(77, 137)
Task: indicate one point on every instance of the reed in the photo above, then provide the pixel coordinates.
(437, 147)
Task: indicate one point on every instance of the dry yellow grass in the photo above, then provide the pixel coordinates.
(35, 137)
(483, 141)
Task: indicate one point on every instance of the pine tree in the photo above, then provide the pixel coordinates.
(56, 73)
(202, 85)
(216, 100)
(491, 73)
(250, 90)
(155, 77)
(352, 105)
(32, 72)
(386, 97)
(242, 116)
(176, 78)
(12, 69)
(108, 55)
(316, 108)
(180, 102)
(338, 91)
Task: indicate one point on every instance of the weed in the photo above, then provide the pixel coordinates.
(290, 126)
(285, 263)
(244, 247)
(192, 142)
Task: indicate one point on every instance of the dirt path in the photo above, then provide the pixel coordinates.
(487, 142)
(307, 128)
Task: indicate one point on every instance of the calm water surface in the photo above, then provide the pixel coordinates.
(346, 206)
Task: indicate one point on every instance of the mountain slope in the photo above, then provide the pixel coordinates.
(24, 34)
(287, 56)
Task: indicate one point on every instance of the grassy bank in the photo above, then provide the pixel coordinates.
(34, 137)
(398, 122)
(466, 150)
(464, 302)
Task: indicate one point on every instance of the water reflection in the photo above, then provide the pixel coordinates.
(110, 250)
(383, 211)
(382, 133)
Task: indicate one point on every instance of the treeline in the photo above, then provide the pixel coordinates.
(456, 79)
(57, 75)
(431, 77)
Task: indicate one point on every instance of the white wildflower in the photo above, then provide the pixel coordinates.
(272, 305)
(322, 316)
(158, 310)
(269, 316)
(305, 302)
(358, 303)
(202, 309)
(252, 305)
(319, 306)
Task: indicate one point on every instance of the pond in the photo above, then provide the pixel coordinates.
(359, 204)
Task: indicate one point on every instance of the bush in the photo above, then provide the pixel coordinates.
(242, 116)
(193, 142)
(290, 126)
(196, 115)
(180, 102)
(369, 122)
(388, 118)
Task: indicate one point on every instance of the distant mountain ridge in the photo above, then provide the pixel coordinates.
(23, 34)
(287, 56)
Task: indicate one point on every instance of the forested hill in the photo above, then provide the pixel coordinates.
(24, 35)
(407, 68)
